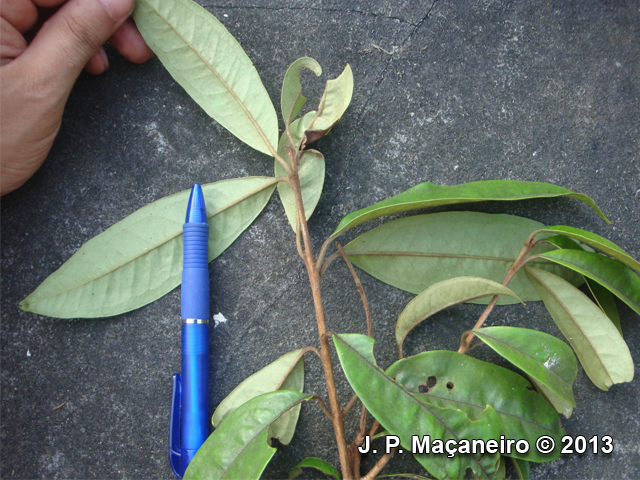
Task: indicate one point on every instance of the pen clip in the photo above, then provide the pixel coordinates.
(175, 448)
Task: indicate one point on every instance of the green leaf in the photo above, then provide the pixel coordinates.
(286, 373)
(610, 273)
(318, 464)
(561, 406)
(239, 447)
(292, 99)
(139, 259)
(311, 174)
(596, 241)
(603, 353)
(205, 59)
(431, 195)
(543, 357)
(469, 384)
(522, 468)
(403, 413)
(416, 252)
(442, 295)
(604, 299)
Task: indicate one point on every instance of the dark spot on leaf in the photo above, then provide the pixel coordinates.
(428, 385)
(450, 385)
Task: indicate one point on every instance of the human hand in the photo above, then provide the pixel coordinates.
(37, 78)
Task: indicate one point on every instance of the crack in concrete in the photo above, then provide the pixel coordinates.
(381, 76)
(313, 9)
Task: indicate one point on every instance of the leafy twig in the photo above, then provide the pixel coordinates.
(529, 245)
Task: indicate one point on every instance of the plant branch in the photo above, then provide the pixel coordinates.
(323, 406)
(529, 245)
(325, 353)
(379, 466)
(323, 252)
(327, 262)
(299, 240)
(363, 296)
(349, 404)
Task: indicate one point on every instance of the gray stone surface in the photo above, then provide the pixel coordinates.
(536, 90)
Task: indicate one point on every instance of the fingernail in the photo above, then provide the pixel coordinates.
(118, 9)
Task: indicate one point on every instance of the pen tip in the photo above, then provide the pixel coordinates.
(196, 212)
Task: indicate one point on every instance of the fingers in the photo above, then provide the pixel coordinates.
(22, 14)
(128, 41)
(12, 43)
(71, 37)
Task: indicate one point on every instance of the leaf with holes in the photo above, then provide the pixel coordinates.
(239, 447)
(599, 346)
(139, 259)
(429, 194)
(405, 414)
(292, 99)
(205, 59)
(286, 373)
(416, 252)
(442, 295)
(543, 357)
(453, 380)
(595, 241)
(318, 464)
(610, 273)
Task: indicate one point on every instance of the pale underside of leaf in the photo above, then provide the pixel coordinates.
(416, 252)
(205, 59)
(404, 414)
(604, 299)
(286, 373)
(469, 384)
(311, 172)
(442, 295)
(599, 346)
(431, 195)
(609, 273)
(239, 447)
(139, 259)
(292, 99)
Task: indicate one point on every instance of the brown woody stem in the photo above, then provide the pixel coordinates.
(529, 245)
(379, 466)
(325, 353)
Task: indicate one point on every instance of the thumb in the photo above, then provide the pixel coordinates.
(67, 41)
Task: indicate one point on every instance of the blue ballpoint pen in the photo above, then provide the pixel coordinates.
(189, 426)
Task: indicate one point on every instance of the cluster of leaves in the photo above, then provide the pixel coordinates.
(444, 258)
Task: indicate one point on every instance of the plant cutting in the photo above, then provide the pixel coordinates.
(443, 258)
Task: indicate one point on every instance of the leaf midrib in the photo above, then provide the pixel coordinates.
(149, 250)
(414, 399)
(525, 355)
(574, 322)
(258, 434)
(451, 200)
(501, 412)
(224, 83)
(598, 278)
